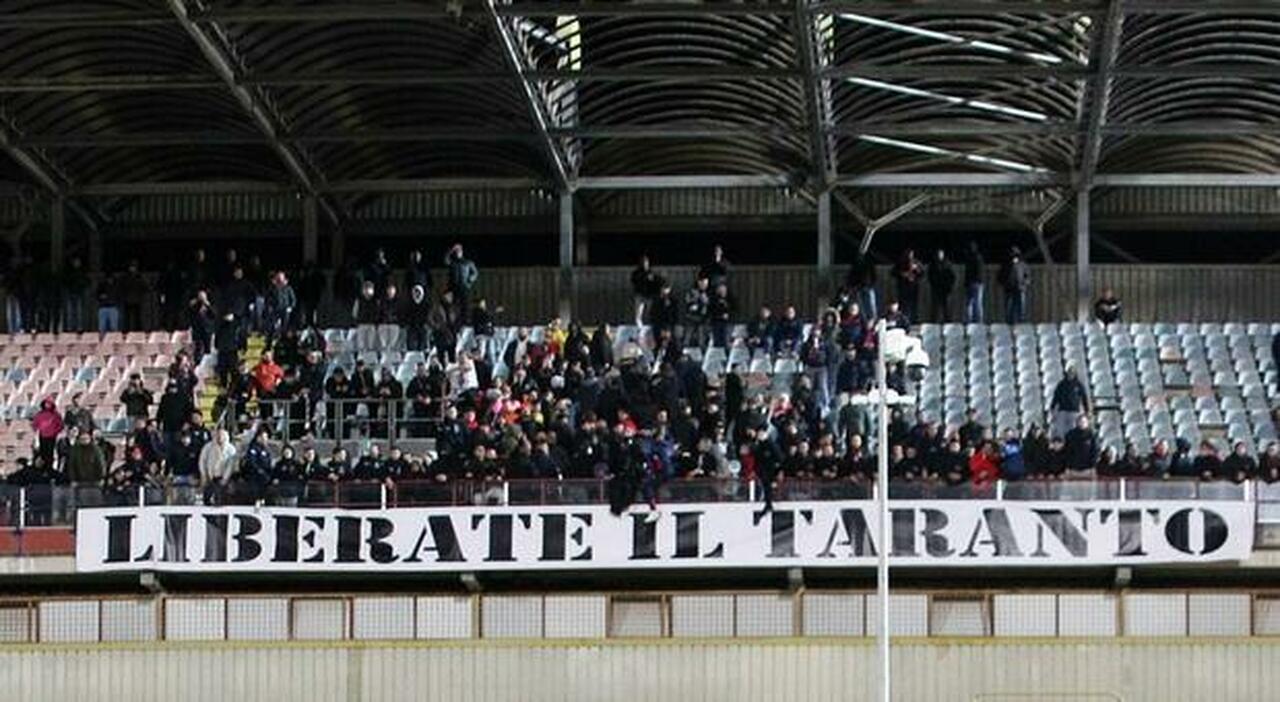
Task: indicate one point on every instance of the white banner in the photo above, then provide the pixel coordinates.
(713, 535)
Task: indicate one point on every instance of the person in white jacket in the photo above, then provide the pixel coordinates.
(217, 465)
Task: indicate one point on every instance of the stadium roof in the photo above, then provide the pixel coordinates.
(343, 99)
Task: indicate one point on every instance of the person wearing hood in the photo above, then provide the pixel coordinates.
(47, 424)
(287, 477)
(415, 317)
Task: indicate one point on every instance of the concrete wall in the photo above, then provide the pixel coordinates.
(962, 670)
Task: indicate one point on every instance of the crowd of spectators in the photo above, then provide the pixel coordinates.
(563, 407)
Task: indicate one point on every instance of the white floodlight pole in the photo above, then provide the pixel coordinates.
(882, 481)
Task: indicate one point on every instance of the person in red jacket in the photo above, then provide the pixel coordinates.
(984, 465)
(47, 424)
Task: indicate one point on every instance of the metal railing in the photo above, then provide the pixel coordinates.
(55, 505)
(342, 420)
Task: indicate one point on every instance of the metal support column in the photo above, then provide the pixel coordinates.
(567, 277)
(1084, 282)
(883, 540)
(310, 229)
(57, 232)
(337, 248)
(824, 247)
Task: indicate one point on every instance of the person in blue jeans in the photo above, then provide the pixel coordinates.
(974, 302)
(108, 305)
(1016, 280)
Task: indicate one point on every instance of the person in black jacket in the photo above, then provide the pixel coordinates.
(226, 343)
(645, 286)
(415, 317)
(75, 285)
(861, 284)
(1240, 465)
(1107, 309)
(768, 464)
(203, 320)
(137, 399)
(238, 298)
(366, 312)
(418, 272)
(974, 304)
(665, 314)
(311, 284)
(942, 281)
(1015, 277)
(1080, 449)
(720, 310)
(175, 407)
(696, 302)
(1207, 465)
(1070, 399)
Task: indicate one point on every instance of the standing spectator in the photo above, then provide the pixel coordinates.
(696, 303)
(908, 273)
(175, 407)
(172, 289)
(861, 283)
(1107, 309)
(445, 322)
(717, 269)
(86, 466)
(217, 465)
(417, 272)
(137, 399)
(238, 296)
(75, 285)
(12, 300)
(198, 277)
(462, 277)
(378, 271)
(134, 292)
(646, 284)
(720, 311)
(665, 314)
(942, 281)
(226, 345)
(974, 302)
(1080, 450)
(280, 303)
(203, 321)
(817, 355)
(77, 415)
(366, 312)
(388, 318)
(311, 284)
(48, 299)
(1070, 399)
(1015, 277)
(230, 262)
(47, 424)
(415, 317)
(108, 294)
